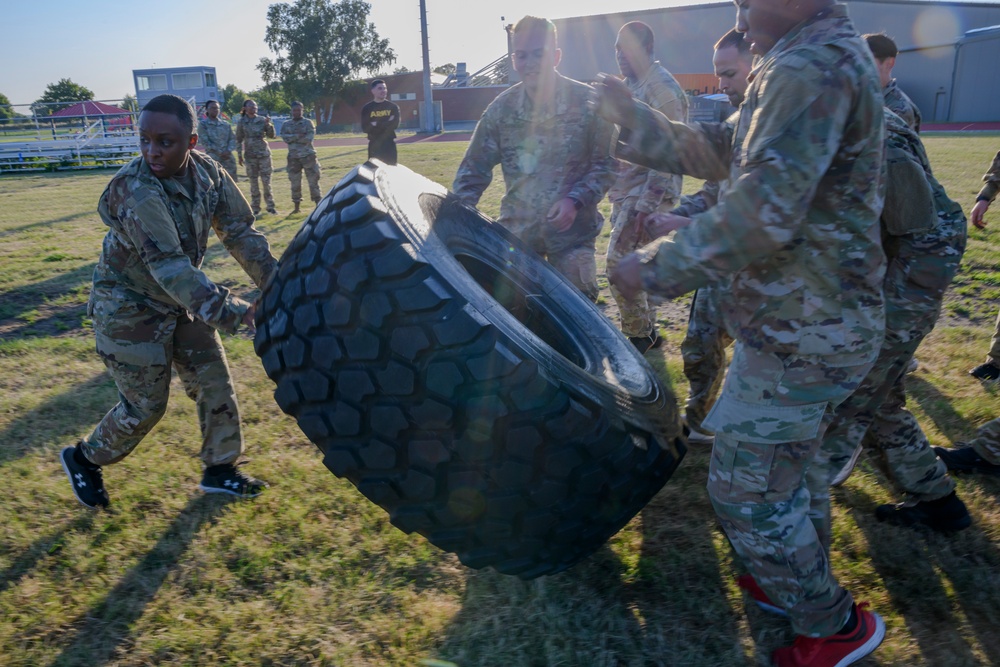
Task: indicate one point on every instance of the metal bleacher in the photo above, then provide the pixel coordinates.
(95, 146)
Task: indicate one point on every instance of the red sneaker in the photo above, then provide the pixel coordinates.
(757, 594)
(835, 650)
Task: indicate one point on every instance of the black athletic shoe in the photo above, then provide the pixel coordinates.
(85, 478)
(985, 371)
(965, 459)
(945, 515)
(226, 478)
(644, 343)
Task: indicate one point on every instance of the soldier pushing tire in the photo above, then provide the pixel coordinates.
(458, 381)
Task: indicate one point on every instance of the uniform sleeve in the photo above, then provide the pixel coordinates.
(700, 201)
(603, 168)
(240, 137)
(287, 135)
(992, 180)
(269, 130)
(764, 210)
(203, 136)
(230, 139)
(146, 221)
(394, 121)
(665, 99)
(310, 132)
(233, 223)
(475, 173)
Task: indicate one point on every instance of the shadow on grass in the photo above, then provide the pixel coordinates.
(24, 299)
(661, 602)
(12, 231)
(59, 419)
(943, 586)
(101, 630)
(938, 407)
(46, 545)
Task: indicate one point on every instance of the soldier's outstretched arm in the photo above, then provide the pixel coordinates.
(233, 224)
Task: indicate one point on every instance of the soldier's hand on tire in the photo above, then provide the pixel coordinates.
(562, 214)
(977, 213)
(626, 276)
(661, 224)
(613, 100)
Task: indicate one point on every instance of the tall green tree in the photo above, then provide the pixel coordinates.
(62, 91)
(232, 99)
(6, 110)
(129, 102)
(271, 100)
(319, 45)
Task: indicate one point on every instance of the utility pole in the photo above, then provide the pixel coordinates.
(428, 124)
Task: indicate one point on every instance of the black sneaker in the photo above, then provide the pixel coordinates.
(945, 515)
(965, 459)
(85, 478)
(644, 343)
(226, 478)
(987, 371)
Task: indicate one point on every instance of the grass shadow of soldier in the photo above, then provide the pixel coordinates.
(98, 632)
(938, 408)
(21, 300)
(47, 545)
(942, 585)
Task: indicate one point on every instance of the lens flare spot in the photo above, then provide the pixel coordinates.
(936, 26)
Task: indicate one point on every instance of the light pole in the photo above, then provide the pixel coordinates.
(428, 124)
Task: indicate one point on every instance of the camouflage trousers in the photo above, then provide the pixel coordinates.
(638, 318)
(295, 167)
(704, 354)
(259, 168)
(987, 442)
(579, 265)
(994, 355)
(139, 345)
(227, 161)
(916, 278)
(769, 477)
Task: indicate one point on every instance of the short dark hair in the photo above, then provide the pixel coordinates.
(733, 38)
(175, 106)
(532, 24)
(243, 108)
(296, 103)
(215, 102)
(642, 32)
(375, 83)
(881, 45)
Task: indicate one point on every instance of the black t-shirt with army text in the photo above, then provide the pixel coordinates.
(380, 120)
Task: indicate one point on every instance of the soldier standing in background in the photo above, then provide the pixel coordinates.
(379, 119)
(989, 369)
(638, 191)
(153, 308)
(298, 134)
(554, 152)
(252, 133)
(217, 137)
(797, 236)
(885, 51)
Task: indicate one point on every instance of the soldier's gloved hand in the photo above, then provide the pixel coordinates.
(248, 318)
(977, 213)
(613, 100)
(661, 224)
(562, 214)
(626, 275)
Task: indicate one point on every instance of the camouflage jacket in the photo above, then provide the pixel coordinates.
(798, 229)
(660, 90)
(298, 134)
(992, 181)
(901, 105)
(216, 136)
(709, 195)
(545, 155)
(158, 234)
(250, 136)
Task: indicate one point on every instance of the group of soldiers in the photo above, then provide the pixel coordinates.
(821, 244)
(249, 140)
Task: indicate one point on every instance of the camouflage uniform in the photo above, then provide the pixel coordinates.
(298, 134)
(641, 190)
(704, 346)
(900, 104)
(991, 188)
(798, 233)
(545, 155)
(987, 442)
(152, 306)
(924, 235)
(219, 141)
(256, 154)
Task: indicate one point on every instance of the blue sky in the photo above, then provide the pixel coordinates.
(97, 43)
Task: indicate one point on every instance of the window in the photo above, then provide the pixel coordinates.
(209, 80)
(396, 97)
(187, 80)
(152, 82)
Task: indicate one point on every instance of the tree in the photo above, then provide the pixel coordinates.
(6, 110)
(402, 69)
(232, 100)
(129, 102)
(270, 100)
(63, 90)
(446, 69)
(320, 45)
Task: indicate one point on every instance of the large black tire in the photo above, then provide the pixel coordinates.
(458, 381)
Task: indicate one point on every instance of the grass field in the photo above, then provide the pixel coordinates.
(311, 573)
